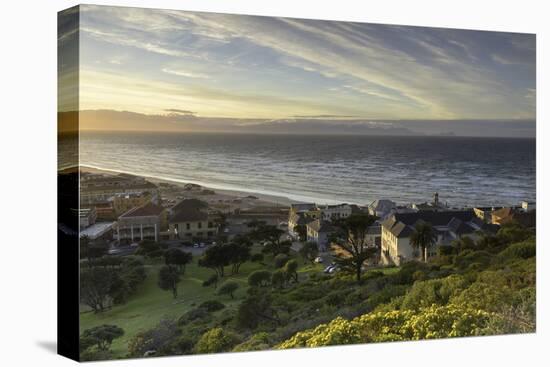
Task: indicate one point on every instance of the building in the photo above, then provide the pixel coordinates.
(335, 212)
(528, 206)
(189, 219)
(435, 205)
(124, 202)
(86, 217)
(518, 215)
(98, 232)
(318, 231)
(141, 223)
(99, 188)
(374, 236)
(381, 208)
(449, 226)
(485, 212)
(301, 214)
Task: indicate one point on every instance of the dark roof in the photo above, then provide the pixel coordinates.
(299, 207)
(402, 224)
(374, 230)
(439, 218)
(147, 210)
(189, 210)
(319, 226)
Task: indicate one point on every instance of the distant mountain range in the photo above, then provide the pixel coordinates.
(187, 121)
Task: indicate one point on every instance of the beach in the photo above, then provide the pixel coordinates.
(174, 190)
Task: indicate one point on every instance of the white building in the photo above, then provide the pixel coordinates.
(448, 225)
(334, 212)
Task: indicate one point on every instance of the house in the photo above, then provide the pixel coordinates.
(335, 212)
(374, 236)
(86, 217)
(98, 188)
(141, 223)
(301, 214)
(318, 231)
(381, 208)
(519, 215)
(189, 219)
(528, 206)
(435, 205)
(448, 225)
(124, 202)
(484, 212)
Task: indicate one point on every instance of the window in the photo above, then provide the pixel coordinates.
(188, 226)
(210, 225)
(200, 225)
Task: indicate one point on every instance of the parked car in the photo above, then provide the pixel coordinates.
(327, 269)
(318, 260)
(196, 245)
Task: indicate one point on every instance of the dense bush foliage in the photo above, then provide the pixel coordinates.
(426, 323)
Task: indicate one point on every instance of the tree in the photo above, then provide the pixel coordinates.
(309, 251)
(157, 339)
(258, 258)
(423, 238)
(259, 278)
(280, 260)
(216, 340)
(101, 336)
(96, 287)
(291, 270)
(149, 248)
(279, 279)
(216, 257)
(301, 230)
(464, 243)
(239, 253)
(178, 258)
(257, 307)
(271, 235)
(229, 287)
(351, 237)
(213, 280)
(168, 279)
(278, 247)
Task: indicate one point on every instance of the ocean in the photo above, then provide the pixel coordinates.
(329, 169)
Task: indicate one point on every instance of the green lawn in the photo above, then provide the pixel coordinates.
(150, 304)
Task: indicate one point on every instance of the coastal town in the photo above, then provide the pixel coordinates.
(118, 211)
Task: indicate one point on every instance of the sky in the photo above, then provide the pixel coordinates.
(207, 68)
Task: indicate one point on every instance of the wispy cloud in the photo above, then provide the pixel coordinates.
(186, 74)
(283, 67)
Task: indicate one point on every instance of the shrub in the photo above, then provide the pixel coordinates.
(426, 323)
(228, 288)
(258, 258)
(215, 341)
(259, 278)
(521, 250)
(212, 305)
(280, 260)
(259, 341)
(193, 315)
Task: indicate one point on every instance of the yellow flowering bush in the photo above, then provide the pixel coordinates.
(426, 323)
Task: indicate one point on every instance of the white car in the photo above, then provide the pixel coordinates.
(318, 260)
(196, 245)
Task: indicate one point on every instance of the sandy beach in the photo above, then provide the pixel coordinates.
(175, 190)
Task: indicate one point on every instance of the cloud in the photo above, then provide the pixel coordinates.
(286, 67)
(186, 74)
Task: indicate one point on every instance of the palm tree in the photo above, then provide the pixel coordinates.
(423, 237)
